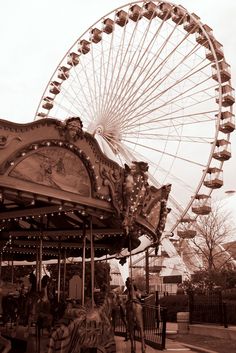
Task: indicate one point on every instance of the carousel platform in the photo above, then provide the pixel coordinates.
(23, 341)
(121, 346)
(124, 347)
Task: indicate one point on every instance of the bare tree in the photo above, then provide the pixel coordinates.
(213, 232)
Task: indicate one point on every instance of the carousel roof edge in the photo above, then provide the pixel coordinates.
(43, 121)
(47, 163)
(61, 125)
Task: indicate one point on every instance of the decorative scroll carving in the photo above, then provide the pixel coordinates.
(141, 199)
(134, 192)
(71, 129)
(164, 210)
(113, 179)
(5, 141)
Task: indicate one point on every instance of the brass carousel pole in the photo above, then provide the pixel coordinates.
(37, 269)
(64, 275)
(39, 256)
(0, 265)
(130, 258)
(83, 263)
(59, 274)
(40, 263)
(1, 284)
(12, 271)
(12, 263)
(131, 265)
(92, 262)
(147, 270)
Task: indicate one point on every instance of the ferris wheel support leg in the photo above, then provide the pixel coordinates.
(172, 252)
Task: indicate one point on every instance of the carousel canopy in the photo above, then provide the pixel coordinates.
(58, 191)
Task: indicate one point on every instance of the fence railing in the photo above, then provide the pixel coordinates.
(154, 319)
(211, 309)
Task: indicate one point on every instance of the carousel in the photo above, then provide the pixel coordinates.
(61, 198)
(140, 104)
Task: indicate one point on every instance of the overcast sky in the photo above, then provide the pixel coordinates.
(36, 34)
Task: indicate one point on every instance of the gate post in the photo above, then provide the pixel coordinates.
(221, 309)
(183, 322)
(163, 334)
(191, 306)
(157, 305)
(224, 305)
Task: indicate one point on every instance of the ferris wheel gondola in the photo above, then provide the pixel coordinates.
(151, 83)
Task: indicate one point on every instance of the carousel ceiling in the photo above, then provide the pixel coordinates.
(60, 193)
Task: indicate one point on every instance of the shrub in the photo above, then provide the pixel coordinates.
(229, 294)
(174, 304)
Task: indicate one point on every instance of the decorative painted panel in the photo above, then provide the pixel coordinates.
(54, 167)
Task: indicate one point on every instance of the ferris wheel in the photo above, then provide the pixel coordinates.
(151, 83)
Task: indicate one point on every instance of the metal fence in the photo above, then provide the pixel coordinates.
(229, 310)
(211, 309)
(154, 318)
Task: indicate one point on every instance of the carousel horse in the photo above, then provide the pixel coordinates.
(92, 328)
(134, 316)
(39, 309)
(121, 304)
(10, 308)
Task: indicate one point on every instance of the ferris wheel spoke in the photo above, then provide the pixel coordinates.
(121, 80)
(104, 69)
(140, 156)
(68, 98)
(99, 80)
(65, 109)
(95, 82)
(141, 116)
(157, 70)
(77, 86)
(109, 65)
(89, 95)
(123, 55)
(107, 80)
(138, 70)
(144, 103)
(75, 101)
(166, 153)
(185, 123)
(149, 74)
(192, 94)
(125, 86)
(169, 115)
(191, 118)
(148, 134)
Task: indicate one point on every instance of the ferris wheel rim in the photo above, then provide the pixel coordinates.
(185, 211)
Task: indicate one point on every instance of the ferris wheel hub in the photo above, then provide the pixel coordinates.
(99, 130)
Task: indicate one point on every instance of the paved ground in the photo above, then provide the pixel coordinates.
(216, 344)
(203, 342)
(124, 347)
(191, 343)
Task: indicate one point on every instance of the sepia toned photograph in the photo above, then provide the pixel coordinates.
(117, 176)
